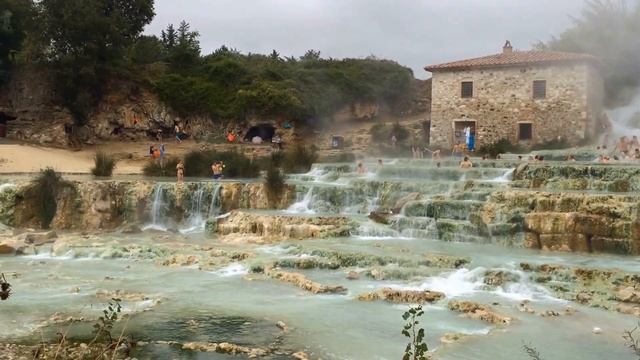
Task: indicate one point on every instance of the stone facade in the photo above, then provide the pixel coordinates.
(503, 98)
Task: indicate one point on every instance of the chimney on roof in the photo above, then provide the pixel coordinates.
(507, 48)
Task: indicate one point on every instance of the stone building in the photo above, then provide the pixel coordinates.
(527, 97)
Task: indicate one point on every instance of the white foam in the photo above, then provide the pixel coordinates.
(460, 282)
(6, 186)
(504, 178)
(233, 269)
(302, 206)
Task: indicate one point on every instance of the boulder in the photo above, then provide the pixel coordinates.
(41, 238)
(499, 277)
(400, 203)
(477, 311)
(241, 226)
(628, 294)
(302, 282)
(403, 296)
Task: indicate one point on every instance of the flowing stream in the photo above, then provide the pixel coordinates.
(217, 297)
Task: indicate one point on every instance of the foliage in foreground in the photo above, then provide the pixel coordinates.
(531, 352)
(103, 164)
(631, 341)
(416, 348)
(5, 288)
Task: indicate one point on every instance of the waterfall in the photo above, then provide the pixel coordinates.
(303, 206)
(157, 218)
(200, 212)
(506, 177)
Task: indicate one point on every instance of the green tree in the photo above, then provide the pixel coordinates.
(15, 20)
(88, 40)
(182, 45)
(148, 50)
(609, 30)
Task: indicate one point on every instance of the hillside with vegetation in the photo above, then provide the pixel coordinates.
(88, 45)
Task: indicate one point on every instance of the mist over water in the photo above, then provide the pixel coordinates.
(626, 119)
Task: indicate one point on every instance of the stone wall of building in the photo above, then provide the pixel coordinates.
(503, 98)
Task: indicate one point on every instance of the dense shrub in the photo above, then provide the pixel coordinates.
(555, 144)
(103, 164)
(43, 192)
(499, 147)
(237, 165)
(231, 85)
(274, 183)
(299, 159)
(381, 133)
(165, 168)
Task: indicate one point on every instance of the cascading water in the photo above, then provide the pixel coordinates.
(200, 211)
(506, 177)
(158, 221)
(303, 206)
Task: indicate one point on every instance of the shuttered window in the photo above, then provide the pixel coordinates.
(525, 131)
(539, 89)
(467, 89)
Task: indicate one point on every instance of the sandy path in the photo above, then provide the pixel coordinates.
(26, 158)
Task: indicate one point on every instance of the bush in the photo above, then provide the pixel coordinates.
(381, 133)
(103, 164)
(555, 144)
(499, 147)
(274, 184)
(166, 168)
(299, 159)
(43, 192)
(237, 165)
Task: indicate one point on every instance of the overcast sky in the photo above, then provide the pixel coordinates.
(415, 33)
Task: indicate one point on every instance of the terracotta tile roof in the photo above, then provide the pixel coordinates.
(513, 58)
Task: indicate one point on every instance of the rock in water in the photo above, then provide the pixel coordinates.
(403, 296)
(479, 312)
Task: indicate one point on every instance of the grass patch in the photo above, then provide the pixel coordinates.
(103, 164)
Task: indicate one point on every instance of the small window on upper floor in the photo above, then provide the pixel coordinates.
(467, 89)
(539, 89)
(525, 131)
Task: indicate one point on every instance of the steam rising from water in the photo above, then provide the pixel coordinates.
(626, 119)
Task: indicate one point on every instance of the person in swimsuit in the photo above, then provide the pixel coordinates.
(180, 171)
